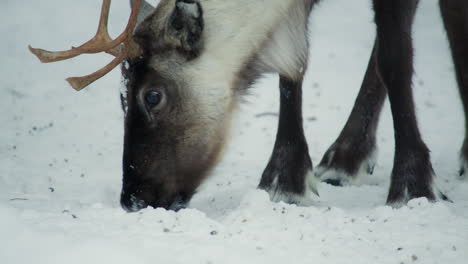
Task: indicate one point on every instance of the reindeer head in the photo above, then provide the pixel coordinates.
(171, 139)
(173, 134)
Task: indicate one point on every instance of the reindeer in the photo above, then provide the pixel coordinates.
(188, 62)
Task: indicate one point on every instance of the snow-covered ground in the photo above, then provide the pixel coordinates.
(60, 154)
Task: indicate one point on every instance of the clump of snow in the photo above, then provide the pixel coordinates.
(60, 154)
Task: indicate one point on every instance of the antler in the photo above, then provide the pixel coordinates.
(101, 42)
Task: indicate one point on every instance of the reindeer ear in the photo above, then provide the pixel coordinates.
(145, 9)
(176, 27)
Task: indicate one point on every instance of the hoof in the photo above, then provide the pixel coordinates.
(435, 196)
(463, 172)
(413, 177)
(303, 199)
(332, 171)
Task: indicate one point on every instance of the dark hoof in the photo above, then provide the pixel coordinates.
(341, 166)
(334, 182)
(462, 173)
(444, 197)
(400, 194)
(288, 176)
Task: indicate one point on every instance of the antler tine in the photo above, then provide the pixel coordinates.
(94, 45)
(101, 42)
(79, 83)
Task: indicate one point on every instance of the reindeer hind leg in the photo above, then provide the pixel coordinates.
(455, 17)
(412, 174)
(354, 151)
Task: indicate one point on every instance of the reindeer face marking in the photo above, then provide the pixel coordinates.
(170, 141)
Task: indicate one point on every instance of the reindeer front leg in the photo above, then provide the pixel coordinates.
(288, 175)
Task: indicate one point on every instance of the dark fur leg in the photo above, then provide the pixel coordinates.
(288, 172)
(412, 174)
(353, 152)
(455, 16)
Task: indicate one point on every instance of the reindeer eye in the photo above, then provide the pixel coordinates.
(153, 98)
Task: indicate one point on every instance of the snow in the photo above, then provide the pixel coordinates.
(60, 154)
